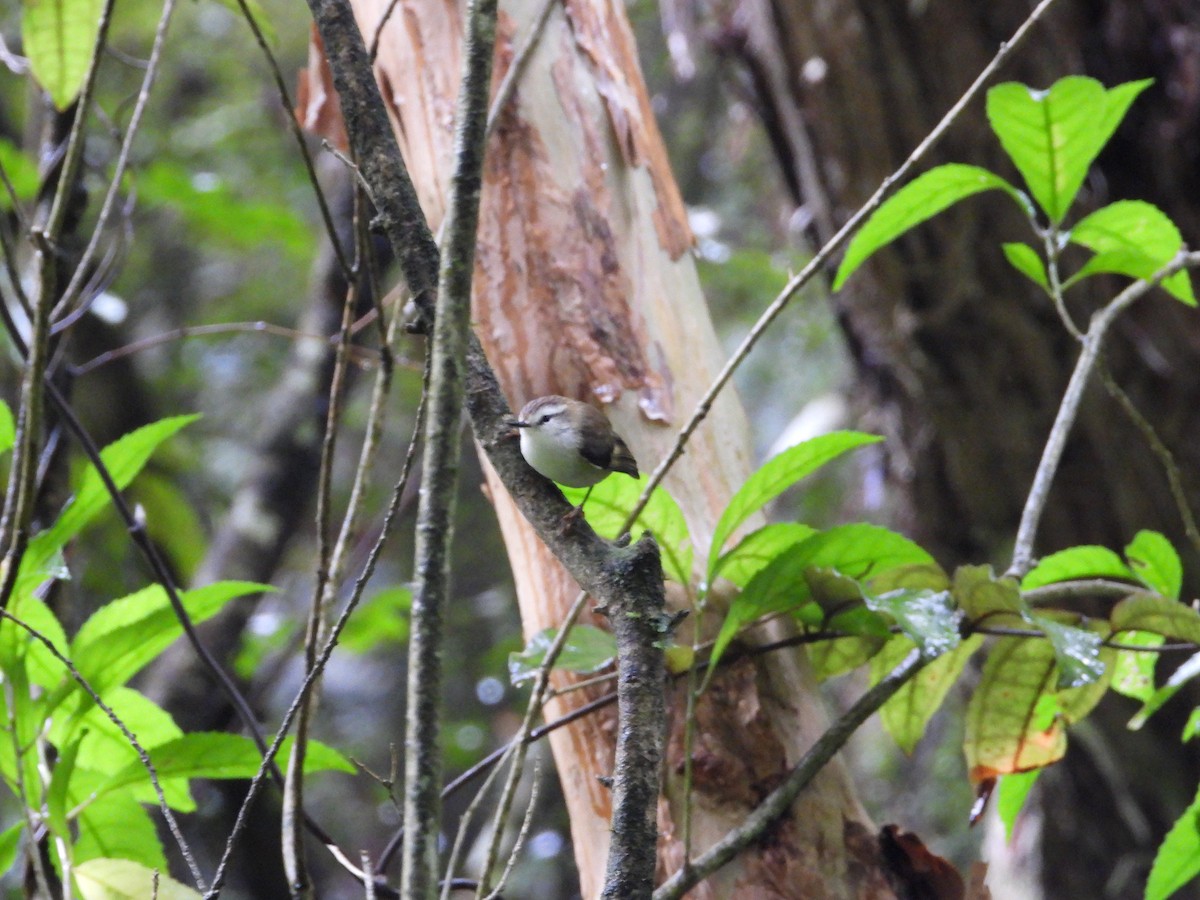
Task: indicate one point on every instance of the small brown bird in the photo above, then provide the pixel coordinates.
(571, 442)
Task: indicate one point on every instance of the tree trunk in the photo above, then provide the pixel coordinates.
(959, 359)
(585, 287)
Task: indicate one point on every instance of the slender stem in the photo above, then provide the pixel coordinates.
(143, 756)
(435, 511)
(289, 115)
(81, 270)
(825, 254)
(1068, 410)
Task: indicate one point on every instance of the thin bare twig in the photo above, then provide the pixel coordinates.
(825, 254)
(1068, 410)
(81, 270)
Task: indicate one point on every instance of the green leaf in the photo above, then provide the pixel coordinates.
(59, 37)
(104, 749)
(56, 793)
(10, 843)
(381, 620)
(1192, 727)
(1076, 651)
(1087, 561)
(1004, 731)
(1155, 563)
(980, 594)
(920, 200)
(124, 459)
(927, 617)
(906, 715)
(22, 174)
(759, 547)
(117, 826)
(124, 635)
(1178, 859)
(1180, 677)
(220, 216)
(1134, 238)
(1025, 260)
(1054, 136)
(1148, 612)
(838, 656)
(8, 428)
(609, 506)
(172, 523)
(19, 648)
(1010, 797)
(775, 476)
(587, 649)
(124, 879)
(1133, 671)
(856, 551)
(209, 754)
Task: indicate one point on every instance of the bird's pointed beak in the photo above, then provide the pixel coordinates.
(516, 423)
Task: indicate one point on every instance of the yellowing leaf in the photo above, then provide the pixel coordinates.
(124, 879)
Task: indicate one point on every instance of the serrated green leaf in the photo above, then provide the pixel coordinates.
(104, 749)
(1025, 260)
(1086, 561)
(1149, 612)
(920, 200)
(927, 617)
(117, 826)
(1134, 238)
(1180, 677)
(208, 754)
(1054, 136)
(124, 879)
(124, 459)
(8, 427)
(123, 636)
(587, 649)
(1133, 671)
(18, 648)
(980, 594)
(1004, 732)
(59, 37)
(856, 551)
(1076, 651)
(906, 715)
(609, 506)
(1155, 563)
(1010, 797)
(759, 547)
(775, 476)
(1177, 861)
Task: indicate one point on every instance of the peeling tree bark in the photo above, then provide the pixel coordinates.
(584, 287)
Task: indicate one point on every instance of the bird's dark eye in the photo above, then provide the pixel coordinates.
(546, 418)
